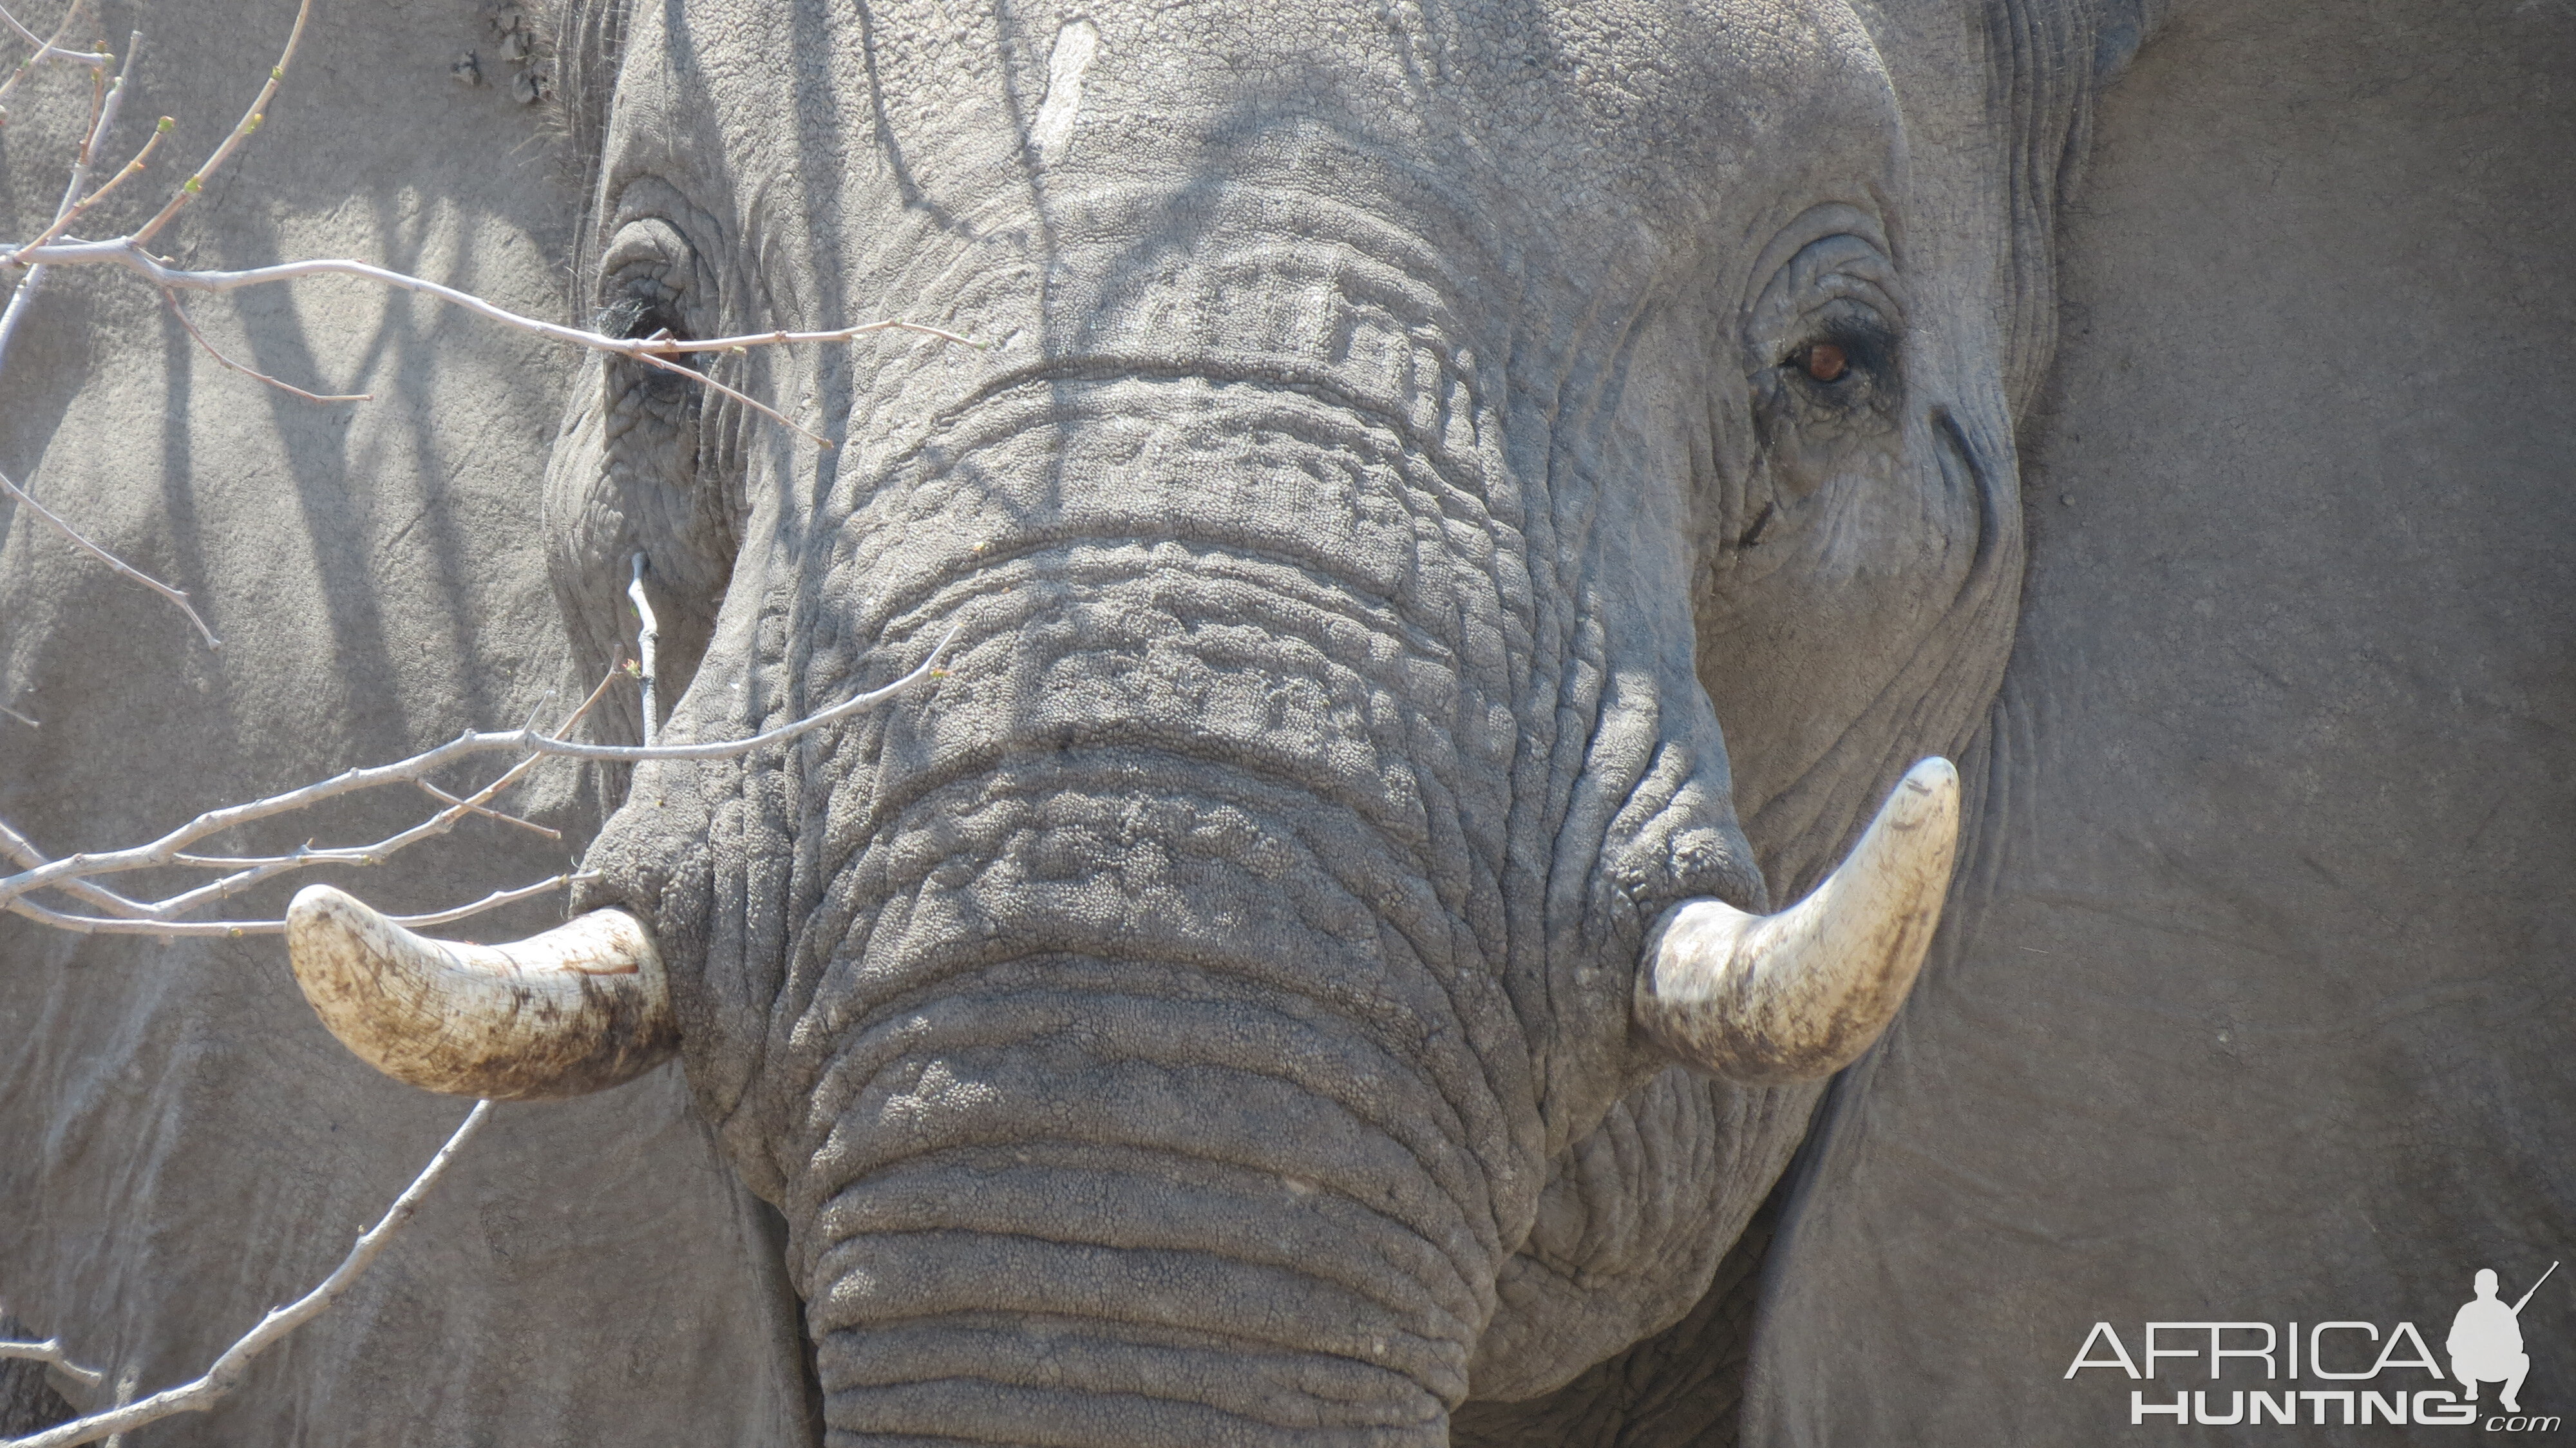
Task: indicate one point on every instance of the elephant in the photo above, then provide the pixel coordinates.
(1444, 500)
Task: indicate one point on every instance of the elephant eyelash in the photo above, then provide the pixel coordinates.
(647, 309)
(622, 318)
(641, 313)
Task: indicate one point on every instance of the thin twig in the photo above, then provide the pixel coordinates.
(101, 121)
(24, 852)
(168, 849)
(71, 17)
(215, 352)
(21, 718)
(252, 870)
(673, 346)
(434, 792)
(50, 1353)
(647, 634)
(127, 252)
(154, 917)
(229, 929)
(134, 167)
(49, 50)
(665, 364)
(228, 1369)
(130, 251)
(104, 104)
(250, 120)
(249, 871)
(111, 560)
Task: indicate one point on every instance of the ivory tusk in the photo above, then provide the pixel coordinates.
(1767, 1000)
(577, 1009)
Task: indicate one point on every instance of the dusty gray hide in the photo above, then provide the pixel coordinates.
(1388, 477)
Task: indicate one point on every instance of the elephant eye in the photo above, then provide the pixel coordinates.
(1846, 359)
(645, 307)
(646, 310)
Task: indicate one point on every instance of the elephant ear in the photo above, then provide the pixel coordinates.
(182, 1145)
(2251, 1004)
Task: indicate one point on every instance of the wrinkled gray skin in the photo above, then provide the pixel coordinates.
(1202, 1015)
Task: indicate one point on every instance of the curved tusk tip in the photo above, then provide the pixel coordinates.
(1771, 1000)
(322, 917)
(1927, 795)
(320, 904)
(334, 940)
(1930, 779)
(578, 1008)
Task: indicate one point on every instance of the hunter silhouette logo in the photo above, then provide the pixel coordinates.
(2363, 1376)
(2486, 1341)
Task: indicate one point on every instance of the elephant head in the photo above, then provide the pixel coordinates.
(1298, 964)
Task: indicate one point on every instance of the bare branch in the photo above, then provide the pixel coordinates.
(654, 352)
(24, 852)
(229, 1367)
(230, 929)
(434, 792)
(130, 251)
(105, 100)
(104, 105)
(24, 68)
(134, 167)
(112, 561)
(76, 876)
(52, 49)
(50, 1353)
(101, 121)
(251, 870)
(215, 352)
(169, 849)
(19, 301)
(664, 364)
(250, 120)
(673, 346)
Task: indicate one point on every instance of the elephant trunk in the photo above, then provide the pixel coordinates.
(1095, 1202)
(1140, 1053)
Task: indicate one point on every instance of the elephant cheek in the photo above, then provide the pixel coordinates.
(623, 481)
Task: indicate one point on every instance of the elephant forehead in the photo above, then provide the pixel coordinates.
(1590, 113)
